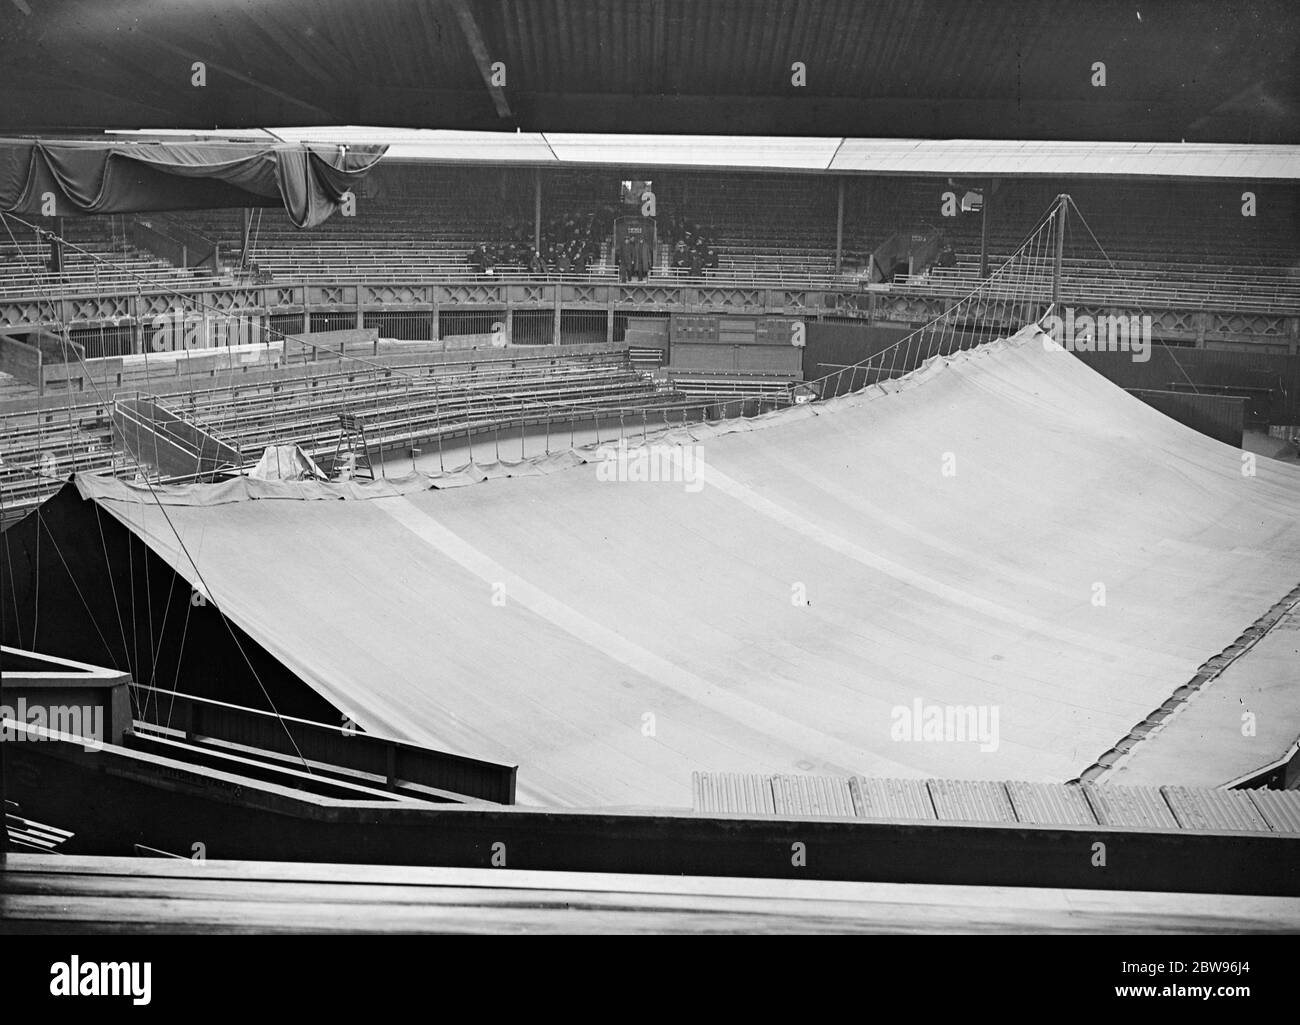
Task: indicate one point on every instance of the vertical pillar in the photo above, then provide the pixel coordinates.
(537, 208)
(839, 228)
(555, 330)
(1060, 251)
(247, 233)
(137, 344)
(984, 225)
(56, 247)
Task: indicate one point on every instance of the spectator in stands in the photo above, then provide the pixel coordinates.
(692, 252)
(570, 243)
(681, 256)
(697, 260)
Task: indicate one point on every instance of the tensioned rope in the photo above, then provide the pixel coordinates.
(1119, 278)
(193, 304)
(941, 335)
(1015, 286)
(156, 644)
(941, 332)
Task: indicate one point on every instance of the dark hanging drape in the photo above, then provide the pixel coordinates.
(113, 177)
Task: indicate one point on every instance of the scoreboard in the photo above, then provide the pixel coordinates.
(731, 344)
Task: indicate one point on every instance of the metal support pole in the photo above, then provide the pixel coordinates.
(537, 209)
(247, 233)
(839, 229)
(1060, 251)
(137, 308)
(984, 224)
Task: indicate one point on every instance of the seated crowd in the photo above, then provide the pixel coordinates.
(690, 250)
(570, 244)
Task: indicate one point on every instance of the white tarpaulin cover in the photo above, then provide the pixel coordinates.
(285, 462)
(1005, 530)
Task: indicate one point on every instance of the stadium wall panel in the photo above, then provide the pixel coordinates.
(1275, 379)
(1221, 417)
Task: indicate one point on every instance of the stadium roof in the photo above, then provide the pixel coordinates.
(1175, 69)
(836, 155)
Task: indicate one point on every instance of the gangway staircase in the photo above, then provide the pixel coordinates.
(171, 443)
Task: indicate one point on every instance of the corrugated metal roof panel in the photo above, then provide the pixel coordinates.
(1038, 804)
(1143, 807)
(812, 795)
(1280, 808)
(1050, 804)
(732, 793)
(1204, 808)
(965, 800)
(876, 798)
(749, 793)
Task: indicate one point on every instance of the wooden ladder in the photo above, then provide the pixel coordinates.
(352, 438)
